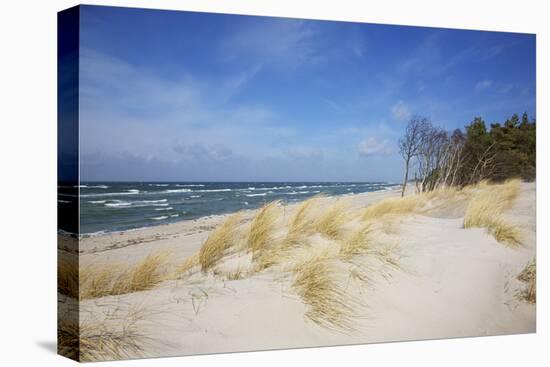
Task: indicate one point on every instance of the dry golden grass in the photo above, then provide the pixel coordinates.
(302, 223)
(67, 276)
(356, 244)
(219, 241)
(529, 276)
(486, 208)
(406, 205)
(329, 306)
(260, 241)
(105, 280)
(330, 223)
(101, 340)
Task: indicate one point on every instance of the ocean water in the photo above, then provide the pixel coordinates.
(119, 206)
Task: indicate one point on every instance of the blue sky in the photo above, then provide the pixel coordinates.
(187, 96)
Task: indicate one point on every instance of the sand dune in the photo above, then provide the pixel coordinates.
(410, 274)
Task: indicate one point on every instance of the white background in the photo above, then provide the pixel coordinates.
(28, 181)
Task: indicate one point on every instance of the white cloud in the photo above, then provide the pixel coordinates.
(483, 84)
(401, 111)
(371, 146)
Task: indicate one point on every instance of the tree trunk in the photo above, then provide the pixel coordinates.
(406, 178)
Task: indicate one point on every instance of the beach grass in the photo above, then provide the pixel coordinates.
(529, 276)
(302, 223)
(329, 306)
(405, 205)
(259, 240)
(99, 280)
(357, 243)
(331, 221)
(218, 242)
(485, 210)
(103, 339)
(68, 276)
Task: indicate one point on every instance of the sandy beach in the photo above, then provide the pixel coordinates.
(424, 276)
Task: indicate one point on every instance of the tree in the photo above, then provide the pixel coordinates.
(409, 144)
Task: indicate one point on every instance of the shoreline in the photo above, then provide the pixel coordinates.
(136, 236)
(254, 206)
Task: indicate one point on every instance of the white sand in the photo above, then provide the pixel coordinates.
(452, 282)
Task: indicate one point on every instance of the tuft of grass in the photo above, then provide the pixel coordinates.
(106, 280)
(101, 340)
(329, 306)
(260, 240)
(67, 276)
(405, 205)
(330, 223)
(218, 242)
(486, 208)
(302, 223)
(356, 244)
(529, 276)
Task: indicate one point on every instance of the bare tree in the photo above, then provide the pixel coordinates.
(409, 144)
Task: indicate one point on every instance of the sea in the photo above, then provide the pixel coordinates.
(120, 206)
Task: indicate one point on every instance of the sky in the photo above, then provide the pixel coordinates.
(183, 96)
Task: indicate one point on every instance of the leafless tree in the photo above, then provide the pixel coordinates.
(409, 144)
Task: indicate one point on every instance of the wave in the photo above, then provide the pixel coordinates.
(149, 201)
(252, 195)
(137, 204)
(129, 192)
(213, 190)
(190, 185)
(97, 201)
(162, 217)
(174, 215)
(195, 196)
(64, 201)
(172, 191)
(169, 208)
(92, 186)
(159, 185)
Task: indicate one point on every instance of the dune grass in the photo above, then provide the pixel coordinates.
(67, 276)
(218, 242)
(529, 276)
(302, 223)
(405, 205)
(112, 279)
(486, 208)
(356, 244)
(329, 306)
(330, 222)
(259, 240)
(101, 340)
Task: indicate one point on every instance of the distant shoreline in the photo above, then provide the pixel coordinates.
(121, 207)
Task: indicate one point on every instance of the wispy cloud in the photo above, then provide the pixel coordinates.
(401, 111)
(284, 44)
(371, 146)
(483, 84)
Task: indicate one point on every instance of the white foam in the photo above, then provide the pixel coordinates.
(129, 192)
(213, 190)
(97, 201)
(160, 218)
(169, 208)
(176, 190)
(195, 196)
(252, 195)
